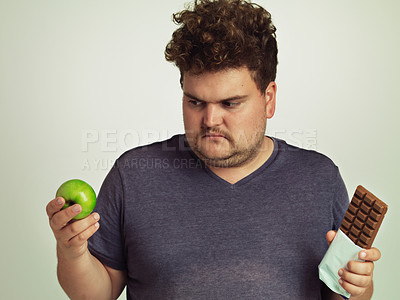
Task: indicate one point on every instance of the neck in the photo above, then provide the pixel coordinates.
(235, 174)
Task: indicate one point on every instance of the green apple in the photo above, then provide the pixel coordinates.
(76, 191)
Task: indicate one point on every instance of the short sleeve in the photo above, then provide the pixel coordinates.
(107, 243)
(340, 201)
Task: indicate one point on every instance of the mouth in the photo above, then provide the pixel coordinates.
(209, 135)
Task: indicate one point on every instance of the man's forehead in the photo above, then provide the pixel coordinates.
(214, 86)
(221, 76)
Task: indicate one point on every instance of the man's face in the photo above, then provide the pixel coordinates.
(225, 116)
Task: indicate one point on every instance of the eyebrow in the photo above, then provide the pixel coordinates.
(237, 97)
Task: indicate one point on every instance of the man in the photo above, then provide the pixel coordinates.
(222, 212)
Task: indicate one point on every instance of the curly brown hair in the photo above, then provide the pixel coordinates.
(221, 34)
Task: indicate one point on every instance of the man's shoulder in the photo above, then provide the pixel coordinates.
(163, 148)
(154, 157)
(301, 157)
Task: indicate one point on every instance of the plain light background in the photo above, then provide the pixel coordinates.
(83, 81)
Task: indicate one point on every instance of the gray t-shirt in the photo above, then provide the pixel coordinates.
(182, 232)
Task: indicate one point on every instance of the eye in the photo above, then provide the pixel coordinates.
(195, 102)
(230, 104)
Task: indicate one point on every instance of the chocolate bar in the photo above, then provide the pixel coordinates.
(363, 218)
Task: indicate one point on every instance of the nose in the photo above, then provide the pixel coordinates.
(213, 115)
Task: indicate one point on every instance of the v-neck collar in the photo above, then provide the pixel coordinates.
(245, 179)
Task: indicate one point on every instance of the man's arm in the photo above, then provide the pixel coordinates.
(357, 277)
(81, 275)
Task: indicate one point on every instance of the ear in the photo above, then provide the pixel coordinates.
(270, 99)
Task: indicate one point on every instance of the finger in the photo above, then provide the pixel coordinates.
(372, 254)
(61, 219)
(82, 237)
(54, 206)
(330, 235)
(354, 278)
(76, 228)
(354, 290)
(360, 267)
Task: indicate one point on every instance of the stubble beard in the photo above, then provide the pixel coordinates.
(241, 151)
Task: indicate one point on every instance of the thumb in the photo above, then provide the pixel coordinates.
(330, 235)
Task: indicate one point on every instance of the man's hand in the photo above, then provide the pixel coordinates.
(80, 274)
(356, 278)
(71, 235)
